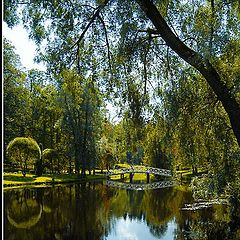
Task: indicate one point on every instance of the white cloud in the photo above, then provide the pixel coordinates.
(25, 48)
(125, 232)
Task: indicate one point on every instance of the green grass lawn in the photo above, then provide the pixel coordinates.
(16, 179)
(137, 176)
(122, 165)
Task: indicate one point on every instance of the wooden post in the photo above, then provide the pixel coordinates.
(131, 177)
(122, 176)
(148, 177)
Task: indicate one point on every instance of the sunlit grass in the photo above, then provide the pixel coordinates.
(136, 176)
(140, 176)
(13, 182)
(43, 179)
(15, 179)
(123, 165)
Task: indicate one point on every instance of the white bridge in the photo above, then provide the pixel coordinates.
(140, 169)
(146, 186)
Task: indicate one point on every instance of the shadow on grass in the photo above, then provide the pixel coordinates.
(61, 177)
(57, 178)
(19, 178)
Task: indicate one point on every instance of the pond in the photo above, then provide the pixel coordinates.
(94, 210)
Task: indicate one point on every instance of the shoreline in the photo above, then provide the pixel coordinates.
(50, 180)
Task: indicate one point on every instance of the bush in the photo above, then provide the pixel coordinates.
(23, 151)
(203, 187)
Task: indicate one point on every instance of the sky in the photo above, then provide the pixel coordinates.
(25, 48)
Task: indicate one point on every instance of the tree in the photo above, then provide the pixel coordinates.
(71, 92)
(81, 103)
(198, 61)
(45, 111)
(138, 39)
(105, 153)
(16, 96)
(23, 151)
(51, 159)
(157, 152)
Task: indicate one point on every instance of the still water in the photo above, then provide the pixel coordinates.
(95, 211)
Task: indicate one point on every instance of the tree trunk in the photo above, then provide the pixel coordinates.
(84, 148)
(77, 158)
(200, 63)
(70, 165)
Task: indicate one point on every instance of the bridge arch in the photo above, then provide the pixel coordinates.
(144, 186)
(140, 169)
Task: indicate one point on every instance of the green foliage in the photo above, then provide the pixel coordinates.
(156, 153)
(81, 103)
(10, 13)
(16, 96)
(23, 151)
(24, 144)
(203, 188)
(50, 159)
(170, 115)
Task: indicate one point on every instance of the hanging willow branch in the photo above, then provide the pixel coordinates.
(107, 42)
(195, 59)
(95, 15)
(145, 62)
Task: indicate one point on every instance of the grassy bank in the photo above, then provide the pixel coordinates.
(11, 180)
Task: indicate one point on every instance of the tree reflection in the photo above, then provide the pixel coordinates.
(210, 223)
(24, 210)
(158, 231)
(90, 211)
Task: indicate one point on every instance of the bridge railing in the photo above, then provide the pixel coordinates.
(133, 186)
(140, 169)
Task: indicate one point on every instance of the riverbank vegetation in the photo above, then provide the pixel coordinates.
(12, 180)
(169, 69)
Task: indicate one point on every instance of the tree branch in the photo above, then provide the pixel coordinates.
(95, 15)
(107, 42)
(145, 62)
(202, 64)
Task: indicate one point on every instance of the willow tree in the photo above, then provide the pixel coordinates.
(198, 60)
(23, 151)
(144, 37)
(51, 159)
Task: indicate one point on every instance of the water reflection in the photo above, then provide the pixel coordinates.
(134, 229)
(96, 211)
(141, 186)
(24, 211)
